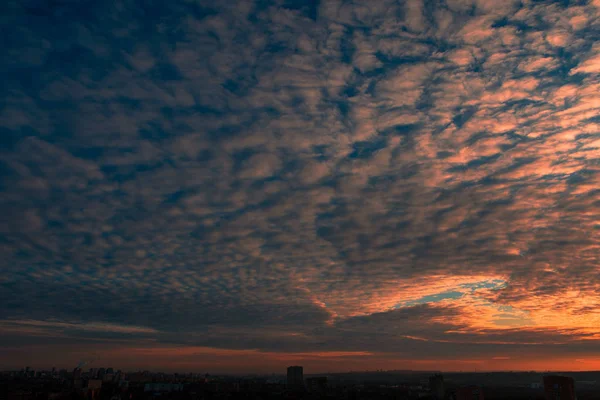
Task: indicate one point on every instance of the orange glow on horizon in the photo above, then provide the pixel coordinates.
(194, 358)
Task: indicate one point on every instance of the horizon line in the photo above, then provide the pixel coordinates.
(283, 373)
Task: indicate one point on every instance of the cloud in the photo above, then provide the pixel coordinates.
(589, 66)
(17, 325)
(270, 178)
(260, 166)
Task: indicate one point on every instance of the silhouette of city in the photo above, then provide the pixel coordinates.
(110, 384)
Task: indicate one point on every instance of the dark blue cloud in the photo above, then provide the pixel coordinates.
(298, 170)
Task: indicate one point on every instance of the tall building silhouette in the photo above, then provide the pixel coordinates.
(436, 385)
(559, 387)
(77, 381)
(295, 377)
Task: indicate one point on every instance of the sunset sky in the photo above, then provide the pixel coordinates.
(238, 186)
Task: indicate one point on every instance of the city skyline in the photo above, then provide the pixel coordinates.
(245, 185)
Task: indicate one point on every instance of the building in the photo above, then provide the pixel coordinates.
(295, 377)
(163, 387)
(469, 393)
(94, 384)
(559, 387)
(436, 385)
(317, 384)
(77, 381)
(93, 388)
(535, 385)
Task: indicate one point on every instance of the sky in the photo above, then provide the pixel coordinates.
(239, 186)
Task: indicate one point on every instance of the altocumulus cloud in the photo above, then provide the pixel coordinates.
(397, 180)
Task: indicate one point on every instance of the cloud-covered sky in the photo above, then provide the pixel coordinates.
(239, 185)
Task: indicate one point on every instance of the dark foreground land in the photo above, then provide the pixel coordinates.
(392, 385)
